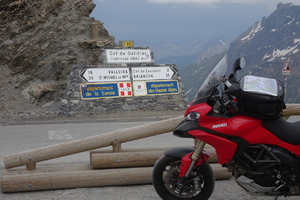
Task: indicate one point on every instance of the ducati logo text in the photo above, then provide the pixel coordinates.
(219, 125)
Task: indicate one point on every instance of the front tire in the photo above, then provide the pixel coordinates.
(199, 186)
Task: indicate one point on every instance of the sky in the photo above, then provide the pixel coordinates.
(153, 22)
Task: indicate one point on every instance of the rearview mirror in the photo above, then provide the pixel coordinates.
(243, 62)
(238, 65)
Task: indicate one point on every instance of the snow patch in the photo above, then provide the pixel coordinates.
(296, 40)
(252, 33)
(291, 21)
(281, 53)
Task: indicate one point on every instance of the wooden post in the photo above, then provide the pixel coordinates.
(116, 147)
(31, 166)
(90, 143)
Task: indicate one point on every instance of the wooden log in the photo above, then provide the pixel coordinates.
(34, 181)
(291, 109)
(133, 158)
(208, 148)
(90, 143)
(125, 159)
(81, 176)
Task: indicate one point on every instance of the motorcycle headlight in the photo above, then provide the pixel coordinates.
(193, 116)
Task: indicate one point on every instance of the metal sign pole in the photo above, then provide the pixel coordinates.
(286, 71)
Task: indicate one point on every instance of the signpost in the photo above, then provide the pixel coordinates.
(126, 44)
(152, 73)
(125, 89)
(136, 79)
(128, 56)
(100, 90)
(286, 71)
(139, 88)
(95, 75)
(162, 87)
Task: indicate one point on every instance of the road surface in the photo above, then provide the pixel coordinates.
(19, 138)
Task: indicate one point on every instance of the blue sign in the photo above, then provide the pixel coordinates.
(99, 90)
(162, 87)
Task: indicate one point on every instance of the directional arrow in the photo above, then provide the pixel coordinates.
(97, 75)
(152, 73)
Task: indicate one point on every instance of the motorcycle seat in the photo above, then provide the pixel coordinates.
(286, 131)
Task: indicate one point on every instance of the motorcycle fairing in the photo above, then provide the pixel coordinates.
(248, 128)
(213, 128)
(225, 149)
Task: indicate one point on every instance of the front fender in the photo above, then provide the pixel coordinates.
(179, 152)
(185, 153)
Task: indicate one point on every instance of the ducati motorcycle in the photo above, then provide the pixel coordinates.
(242, 120)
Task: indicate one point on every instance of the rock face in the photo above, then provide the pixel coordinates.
(267, 45)
(39, 43)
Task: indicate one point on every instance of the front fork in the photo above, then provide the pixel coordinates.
(192, 159)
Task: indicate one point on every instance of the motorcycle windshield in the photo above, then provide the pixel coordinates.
(213, 79)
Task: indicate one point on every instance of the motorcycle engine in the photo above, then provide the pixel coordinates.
(267, 167)
(266, 170)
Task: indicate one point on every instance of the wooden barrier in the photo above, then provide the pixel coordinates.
(17, 180)
(62, 177)
(115, 138)
(90, 143)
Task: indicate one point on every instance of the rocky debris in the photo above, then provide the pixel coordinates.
(38, 89)
(39, 43)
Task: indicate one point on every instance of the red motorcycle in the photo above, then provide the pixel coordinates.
(242, 121)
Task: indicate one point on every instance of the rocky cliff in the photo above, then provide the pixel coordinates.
(39, 43)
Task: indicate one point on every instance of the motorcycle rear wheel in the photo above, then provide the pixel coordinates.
(199, 186)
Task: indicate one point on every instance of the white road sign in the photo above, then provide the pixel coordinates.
(105, 74)
(128, 55)
(152, 73)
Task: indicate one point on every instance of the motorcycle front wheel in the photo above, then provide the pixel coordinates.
(199, 185)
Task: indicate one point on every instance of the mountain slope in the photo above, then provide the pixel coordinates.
(191, 51)
(267, 45)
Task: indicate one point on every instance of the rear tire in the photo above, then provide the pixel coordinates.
(200, 186)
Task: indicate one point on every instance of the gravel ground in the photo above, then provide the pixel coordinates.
(224, 190)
